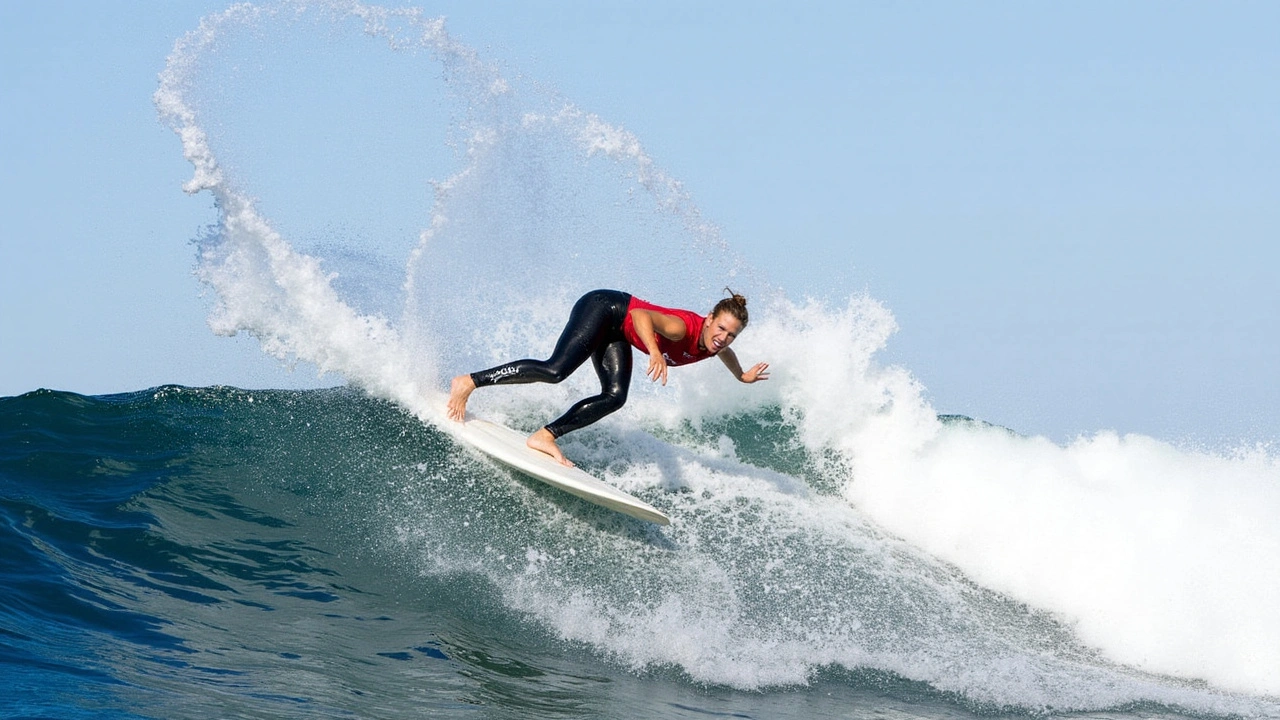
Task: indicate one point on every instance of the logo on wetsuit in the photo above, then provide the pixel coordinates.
(500, 373)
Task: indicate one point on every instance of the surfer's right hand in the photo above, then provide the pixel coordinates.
(657, 368)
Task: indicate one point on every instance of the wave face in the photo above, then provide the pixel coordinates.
(832, 537)
(180, 552)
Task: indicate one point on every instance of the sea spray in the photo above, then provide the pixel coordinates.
(503, 228)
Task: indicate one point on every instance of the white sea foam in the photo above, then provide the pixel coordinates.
(1165, 558)
(1161, 558)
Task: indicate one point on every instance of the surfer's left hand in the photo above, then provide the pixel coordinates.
(759, 371)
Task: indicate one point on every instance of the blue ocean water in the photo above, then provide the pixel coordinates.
(837, 549)
(216, 552)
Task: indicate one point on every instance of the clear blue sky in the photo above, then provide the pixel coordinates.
(1073, 210)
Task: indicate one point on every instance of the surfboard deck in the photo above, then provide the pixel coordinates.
(508, 447)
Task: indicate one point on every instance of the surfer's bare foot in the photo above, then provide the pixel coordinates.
(459, 390)
(544, 441)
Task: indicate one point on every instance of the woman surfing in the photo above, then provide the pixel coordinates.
(604, 325)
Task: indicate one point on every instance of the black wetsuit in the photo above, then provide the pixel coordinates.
(594, 330)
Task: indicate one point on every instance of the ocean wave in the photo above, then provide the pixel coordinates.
(173, 546)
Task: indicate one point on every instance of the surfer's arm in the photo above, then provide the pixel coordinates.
(759, 371)
(648, 324)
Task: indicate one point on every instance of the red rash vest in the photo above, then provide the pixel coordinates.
(676, 353)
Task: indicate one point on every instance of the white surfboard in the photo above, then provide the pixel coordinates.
(508, 447)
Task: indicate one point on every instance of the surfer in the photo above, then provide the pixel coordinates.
(604, 325)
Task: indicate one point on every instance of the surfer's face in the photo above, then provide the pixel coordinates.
(720, 331)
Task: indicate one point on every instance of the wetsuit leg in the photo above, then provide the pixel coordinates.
(596, 320)
(612, 362)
